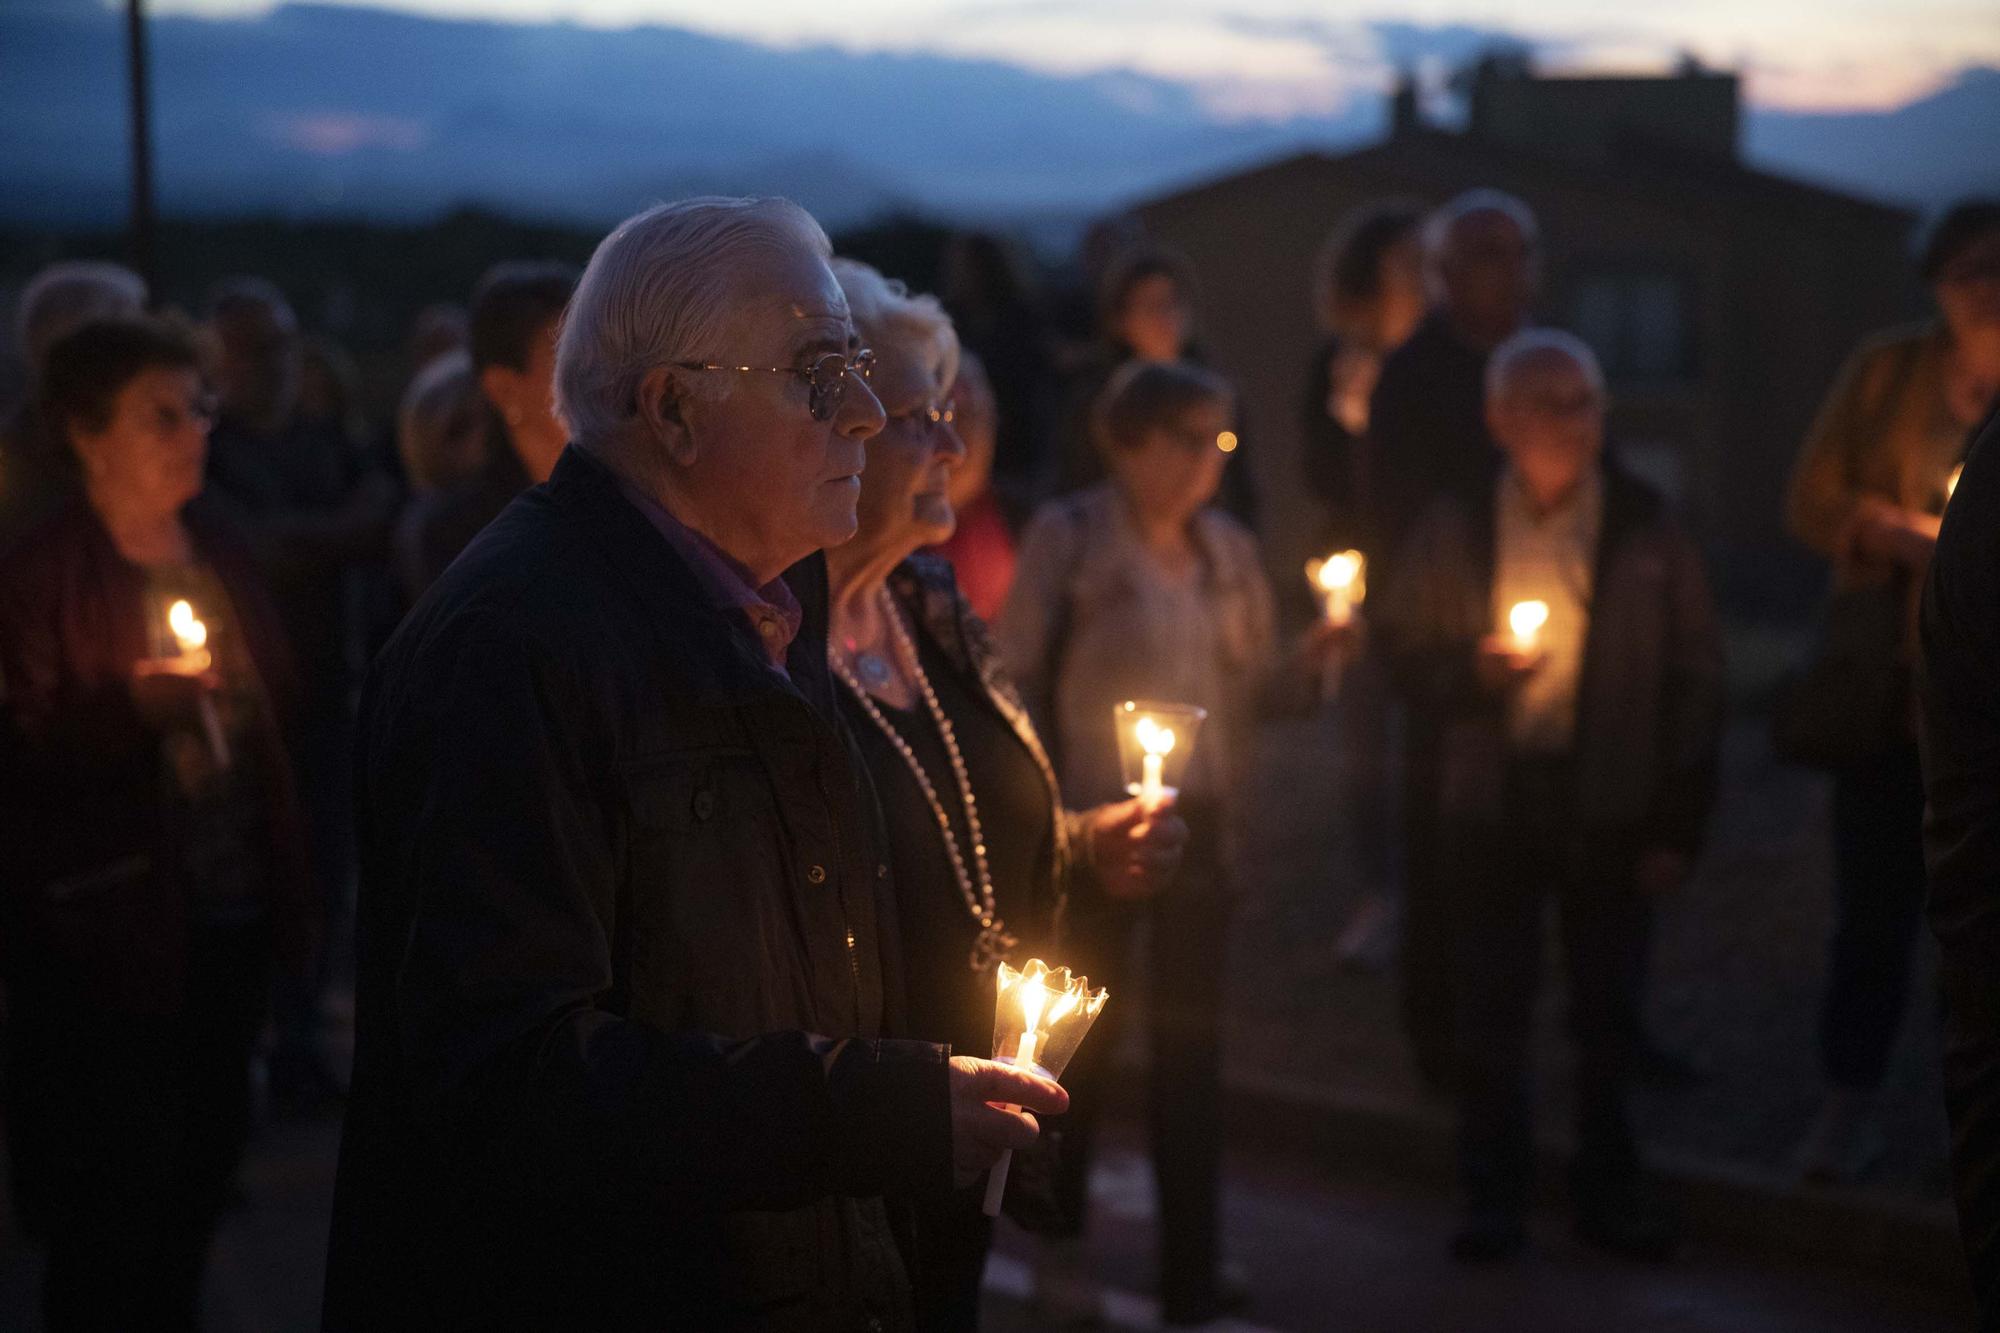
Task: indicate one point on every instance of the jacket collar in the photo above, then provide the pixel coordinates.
(711, 648)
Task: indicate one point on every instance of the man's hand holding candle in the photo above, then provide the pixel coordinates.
(1502, 663)
(982, 1128)
(168, 692)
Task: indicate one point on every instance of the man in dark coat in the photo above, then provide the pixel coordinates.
(1960, 730)
(1427, 438)
(1575, 762)
(626, 956)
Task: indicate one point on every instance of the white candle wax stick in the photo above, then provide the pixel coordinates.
(211, 725)
(996, 1183)
(1152, 787)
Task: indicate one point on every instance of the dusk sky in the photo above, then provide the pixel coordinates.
(1277, 58)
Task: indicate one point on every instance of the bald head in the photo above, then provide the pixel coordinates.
(1545, 408)
(1483, 253)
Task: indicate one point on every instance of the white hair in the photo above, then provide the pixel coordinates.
(660, 288)
(442, 405)
(1531, 349)
(65, 296)
(885, 312)
(1441, 228)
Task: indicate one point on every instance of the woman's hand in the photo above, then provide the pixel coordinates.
(1502, 664)
(1134, 848)
(167, 694)
(1888, 531)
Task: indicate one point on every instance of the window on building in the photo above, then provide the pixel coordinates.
(1639, 324)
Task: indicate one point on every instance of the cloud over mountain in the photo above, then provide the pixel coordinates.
(316, 109)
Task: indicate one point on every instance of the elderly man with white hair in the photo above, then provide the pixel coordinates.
(627, 963)
(1559, 629)
(57, 301)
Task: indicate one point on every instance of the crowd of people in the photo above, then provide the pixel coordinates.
(669, 722)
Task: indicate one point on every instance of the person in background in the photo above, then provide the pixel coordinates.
(155, 863)
(443, 438)
(36, 475)
(315, 516)
(1145, 313)
(999, 321)
(516, 309)
(1871, 482)
(438, 329)
(980, 547)
(1959, 696)
(1577, 768)
(981, 851)
(1137, 588)
(1428, 438)
(1368, 296)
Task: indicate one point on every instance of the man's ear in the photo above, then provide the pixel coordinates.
(662, 396)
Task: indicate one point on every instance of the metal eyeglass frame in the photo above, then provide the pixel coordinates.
(826, 377)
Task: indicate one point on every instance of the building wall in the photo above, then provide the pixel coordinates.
(1777, 285)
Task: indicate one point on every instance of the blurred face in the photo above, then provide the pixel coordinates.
(1490, 271)
(525, 398)
(1177, 469)
(1549, 421)
(257, 371)
(1155, 321)
(1968, 296)
(977, 421)
(761, 472)
(906, 488)
(148, 458)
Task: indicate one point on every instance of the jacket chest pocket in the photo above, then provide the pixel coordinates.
(707, 917)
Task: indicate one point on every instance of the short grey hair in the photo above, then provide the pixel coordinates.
(660, 288)
(1530, 348)
(885, 310)
(1443, 224)
(442, 404)
(65, 296)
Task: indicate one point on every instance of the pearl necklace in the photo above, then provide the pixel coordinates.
(975, 885)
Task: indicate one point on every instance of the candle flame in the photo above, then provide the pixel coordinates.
(187, 626)
(1153, 738)
(1526, 618)
(1226, 442)
(1339, 571)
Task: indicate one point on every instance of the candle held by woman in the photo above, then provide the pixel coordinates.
(1526, 620)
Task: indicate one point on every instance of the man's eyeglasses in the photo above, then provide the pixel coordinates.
(825, 377)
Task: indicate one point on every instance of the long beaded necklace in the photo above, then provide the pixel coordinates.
(974, 885)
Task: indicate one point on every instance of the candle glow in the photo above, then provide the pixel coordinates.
(1039, 1019)
(1526, 620)
(1342, 584)
(188, 629)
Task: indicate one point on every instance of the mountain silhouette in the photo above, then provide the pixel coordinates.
(317, 110)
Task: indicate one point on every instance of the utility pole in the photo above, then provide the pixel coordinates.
(142, 223)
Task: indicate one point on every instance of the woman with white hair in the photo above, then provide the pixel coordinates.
(980, 848)
(35, 476)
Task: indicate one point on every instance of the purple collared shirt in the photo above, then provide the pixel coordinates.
(771, 611)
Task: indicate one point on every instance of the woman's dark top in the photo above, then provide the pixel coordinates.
(123, 838)
(949, 1002)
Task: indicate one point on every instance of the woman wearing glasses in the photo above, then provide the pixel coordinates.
(153, 851)
(981, 850)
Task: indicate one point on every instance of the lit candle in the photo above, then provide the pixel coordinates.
(189, 633)
(1054, 1011)
(192, 636)
(1341, 579)
(1526, 620)
(1157, 742)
